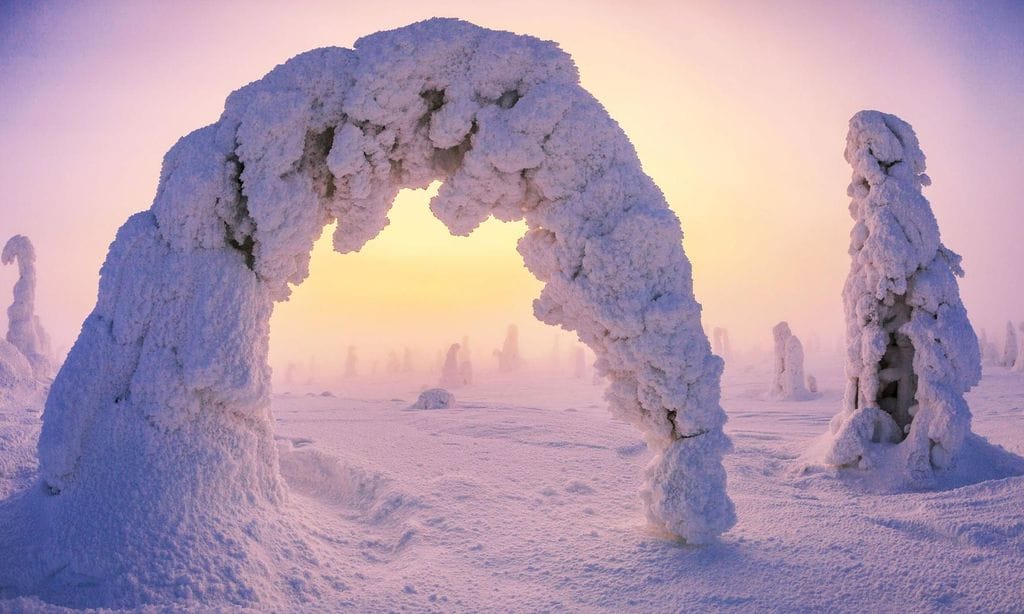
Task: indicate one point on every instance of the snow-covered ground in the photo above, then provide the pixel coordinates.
(523, 498)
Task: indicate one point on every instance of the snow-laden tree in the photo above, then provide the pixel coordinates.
(393, 366)
(407, 362)
(351, 362)
(1018, 361)
(579, 363)
(1010, 346)
(451, 377)
(720, 342)
(788, 366)
(911, 351)
(508, 356)
(24, 330)
(158, 436)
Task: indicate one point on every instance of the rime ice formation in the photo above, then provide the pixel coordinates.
(24, 331)
(508, 355)
(157, 435)
(911, 351)
(450, 375)
(1010, 346)
(435, 398)
(812, 384)
(788, 370)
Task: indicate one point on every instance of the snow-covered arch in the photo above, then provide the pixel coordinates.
(160, 417)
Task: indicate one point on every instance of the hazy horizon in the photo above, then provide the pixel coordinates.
(738, 113)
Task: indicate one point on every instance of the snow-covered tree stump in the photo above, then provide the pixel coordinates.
(158, 436)
(911, 351)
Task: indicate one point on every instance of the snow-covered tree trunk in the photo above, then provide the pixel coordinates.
(158, 436)
(24, 330)
(911, 351)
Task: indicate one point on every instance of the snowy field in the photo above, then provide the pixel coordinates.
(523, 498)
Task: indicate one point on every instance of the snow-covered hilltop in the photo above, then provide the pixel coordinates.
(911, 351)
(157, 437)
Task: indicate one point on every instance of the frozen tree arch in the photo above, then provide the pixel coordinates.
(911, 351)
(171, 366)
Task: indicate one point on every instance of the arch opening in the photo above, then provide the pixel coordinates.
(160, 416)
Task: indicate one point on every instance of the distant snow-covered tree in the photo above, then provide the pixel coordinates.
(351, 362)
(788, 366)
(1010, 346)
(451, 376)
(24, 330)
(508, 356)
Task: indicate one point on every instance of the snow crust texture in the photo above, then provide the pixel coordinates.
(911, 351)
(157, 435)
(24, 330)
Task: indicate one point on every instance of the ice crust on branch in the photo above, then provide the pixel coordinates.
(788, 367)
(24, 330)
(171, 366)
(911, 351)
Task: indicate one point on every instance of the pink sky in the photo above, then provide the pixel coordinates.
(738, 112)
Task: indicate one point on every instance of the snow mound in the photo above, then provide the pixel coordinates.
(911, 351)
(157, 438)
(434, 398)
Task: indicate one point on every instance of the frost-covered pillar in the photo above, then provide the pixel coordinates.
(157, 435)
(911, 351)
(24, 330)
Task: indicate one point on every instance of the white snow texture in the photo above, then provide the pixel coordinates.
(24, 331)
(157, 435)
(911, 351)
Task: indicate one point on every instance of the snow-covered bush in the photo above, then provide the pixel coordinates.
(435, 398)
(788, 366)
(24, 330)
(508, 356)
(157, 435)
(911, 351)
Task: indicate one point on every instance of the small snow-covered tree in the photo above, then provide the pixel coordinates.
(1010, 346)
(788, 366)
(24, 330)
(720, 342)
(1018, 362)
(407, 362)
(508, 355)
(579, 363)
(351, 362)
(450, 373)
(393, 366)
(911, 351)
